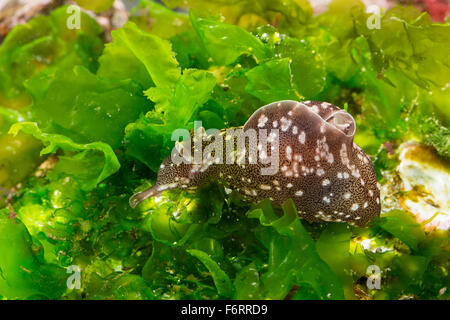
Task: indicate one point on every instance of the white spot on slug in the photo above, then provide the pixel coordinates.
(289, 153)
(330, 158)
(302, 137)
(285, 124)
(262, 121)
(322, 129)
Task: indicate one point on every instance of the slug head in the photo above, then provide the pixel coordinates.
(178, 171)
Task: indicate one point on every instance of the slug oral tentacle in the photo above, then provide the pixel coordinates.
(310, 147)
(141, 196)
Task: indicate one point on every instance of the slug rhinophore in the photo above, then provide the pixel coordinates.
(317, 164)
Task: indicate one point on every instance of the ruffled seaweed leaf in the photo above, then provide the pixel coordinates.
(91, 163)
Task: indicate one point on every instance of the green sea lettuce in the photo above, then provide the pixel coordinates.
(35, 51)
(88, 163)
(102, 117)
(23, 273)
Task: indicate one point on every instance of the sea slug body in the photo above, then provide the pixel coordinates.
(327, 175)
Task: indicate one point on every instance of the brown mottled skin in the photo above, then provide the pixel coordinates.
(320, 167)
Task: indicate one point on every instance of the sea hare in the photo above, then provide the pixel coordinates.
(310, 146)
